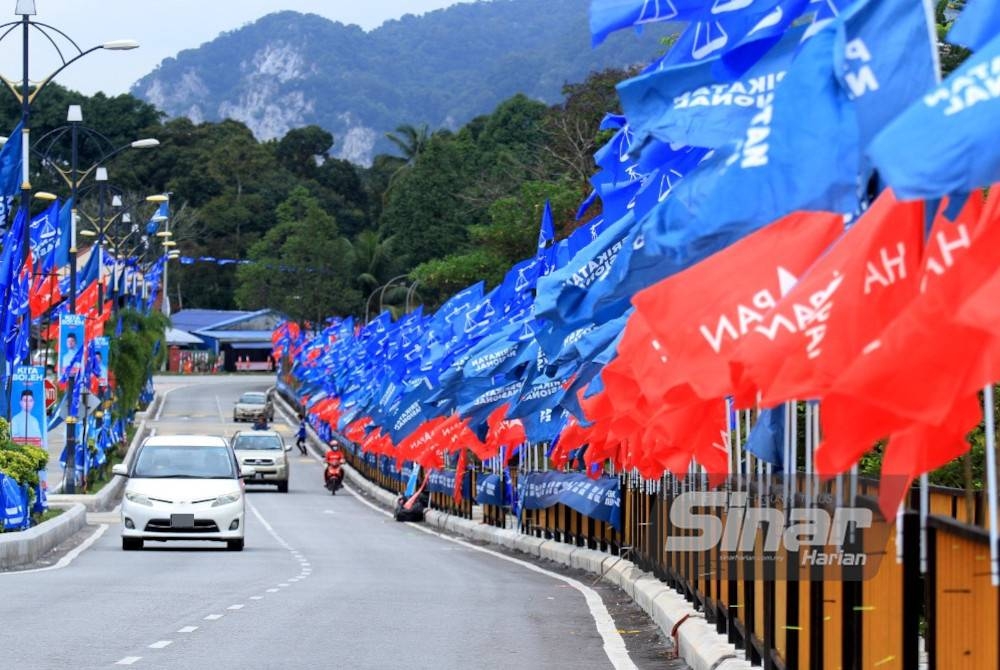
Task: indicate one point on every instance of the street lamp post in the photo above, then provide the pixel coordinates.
(387, 285)
(74, 177)
(26, 95)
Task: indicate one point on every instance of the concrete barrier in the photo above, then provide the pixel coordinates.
(24, 547)
(27, 546)
(698, 643)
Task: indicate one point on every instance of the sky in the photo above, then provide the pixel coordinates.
(163, 28)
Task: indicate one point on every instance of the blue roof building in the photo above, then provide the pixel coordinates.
(237, 336)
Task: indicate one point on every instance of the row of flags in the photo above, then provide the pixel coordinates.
(36, 291)
(792, 208)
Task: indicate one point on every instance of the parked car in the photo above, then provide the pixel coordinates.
(183, 487)
(252, 404)
(266, 453)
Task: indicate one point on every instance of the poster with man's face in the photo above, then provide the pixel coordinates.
(27, 419)
(101, 351)
(71, 342)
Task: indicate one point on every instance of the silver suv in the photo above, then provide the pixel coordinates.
(266, 453)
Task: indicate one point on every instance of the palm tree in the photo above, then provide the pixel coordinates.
(371, 258)
(411, 140)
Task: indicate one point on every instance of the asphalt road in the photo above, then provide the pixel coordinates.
(324, 582)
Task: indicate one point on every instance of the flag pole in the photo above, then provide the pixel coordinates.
(924, 510)
(991, 482)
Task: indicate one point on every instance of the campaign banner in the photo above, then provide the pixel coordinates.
(370, 459)
(490, 490)
(13, 504)
(443, 481)
(71, 342)
(102, 348)
(597, 498)
(27, 420)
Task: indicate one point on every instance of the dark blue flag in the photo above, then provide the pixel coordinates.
(10, 163)
(767, 438)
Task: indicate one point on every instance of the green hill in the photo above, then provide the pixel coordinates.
(288, 69)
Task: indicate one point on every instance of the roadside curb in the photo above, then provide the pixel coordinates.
(25, 547)
(111, 493)
(697, 641)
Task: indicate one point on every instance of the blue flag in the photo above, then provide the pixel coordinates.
(786, 161)
(46, 237)
(977, 25)
(10, 164)
(767, 438)
(547, 231)
(945, 143)
(689, 104)
(607, 16)
(742, 34)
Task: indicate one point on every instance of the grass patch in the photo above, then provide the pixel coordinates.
(99, 477)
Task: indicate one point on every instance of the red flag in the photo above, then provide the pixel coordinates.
(44, 294)
(924, 362)
(700, 314)
(844, 301)
(925, 359)
(459, 475)
(418, 441)
(502, 432)
(919, 449)
(86, 300)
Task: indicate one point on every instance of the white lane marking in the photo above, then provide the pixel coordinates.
(69, 557)
(235, 607)
(163, 403)
(161, 644)
(218, 403)
(188, 629)
(256, 597)
(614, 645)
(272, 590)
(128, 660)
(281, 586)
(214, 617)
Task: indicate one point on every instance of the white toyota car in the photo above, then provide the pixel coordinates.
(183, 487)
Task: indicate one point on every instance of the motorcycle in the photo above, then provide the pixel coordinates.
(333, 477)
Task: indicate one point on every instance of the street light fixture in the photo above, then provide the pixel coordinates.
(68, 52)
(73, 178)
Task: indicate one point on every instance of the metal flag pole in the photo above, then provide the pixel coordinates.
(991, 482)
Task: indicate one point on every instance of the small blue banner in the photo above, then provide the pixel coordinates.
(597, 498)
(490, 490)
(443, 481)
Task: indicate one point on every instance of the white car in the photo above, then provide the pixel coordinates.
(183, 487)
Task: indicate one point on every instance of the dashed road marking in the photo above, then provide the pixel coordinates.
(188, 629)
(161, 644)
(214, 617)
(128, 660)
(235, 607)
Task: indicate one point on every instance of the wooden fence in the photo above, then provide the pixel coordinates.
(787, 612)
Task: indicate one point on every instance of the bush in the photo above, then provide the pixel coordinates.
(20, 462)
